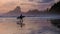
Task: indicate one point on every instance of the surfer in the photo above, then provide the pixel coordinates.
(21, 20)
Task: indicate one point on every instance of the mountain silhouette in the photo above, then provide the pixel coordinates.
(55, 8)
(15, 12)
(34, 12)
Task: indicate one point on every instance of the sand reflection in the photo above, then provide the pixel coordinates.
(32, 26)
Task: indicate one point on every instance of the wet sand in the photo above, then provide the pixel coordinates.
(32, 26)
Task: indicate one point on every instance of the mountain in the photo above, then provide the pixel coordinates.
(55, 8)
(15, 12)
(36, 12)
(33, 12)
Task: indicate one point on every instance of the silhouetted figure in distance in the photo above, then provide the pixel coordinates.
(21, 20)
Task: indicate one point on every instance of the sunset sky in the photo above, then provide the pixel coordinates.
(7, 5)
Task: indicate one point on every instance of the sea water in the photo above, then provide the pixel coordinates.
(33, 25)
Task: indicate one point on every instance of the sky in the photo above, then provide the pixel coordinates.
(8, 5)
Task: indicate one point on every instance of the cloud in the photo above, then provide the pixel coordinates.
(10, 4)
(44, 4)
(56, 1)
(26, 4)
(40, 1)
(31, 0)
(47, 1)
(7, 7)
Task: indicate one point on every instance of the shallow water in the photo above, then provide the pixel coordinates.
(33, 25)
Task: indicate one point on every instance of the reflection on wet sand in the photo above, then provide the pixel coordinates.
(32, 26)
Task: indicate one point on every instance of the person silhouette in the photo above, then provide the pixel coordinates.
(21, 20)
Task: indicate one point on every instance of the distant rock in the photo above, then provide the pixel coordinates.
(55, 8)
(34, 12)
(15, 12)
(56, 22)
